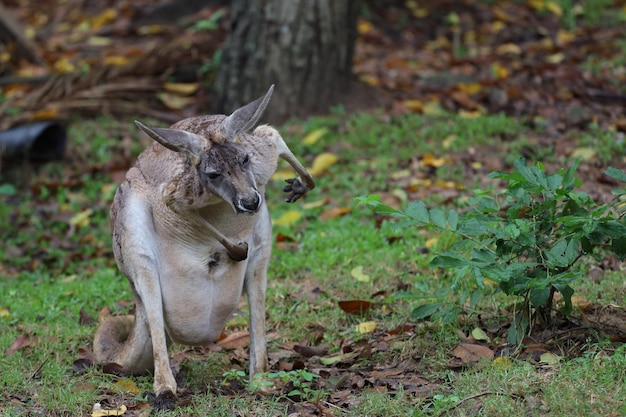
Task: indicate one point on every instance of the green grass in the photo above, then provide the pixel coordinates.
(53, 266)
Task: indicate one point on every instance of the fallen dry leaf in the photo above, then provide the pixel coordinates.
(235, 340)
(310, 351)
(99, 412)
(175, 101)
(322, 162)
(21, 342)
(431, 161)
(85, 319)
(355, 307)
(344, 358)
(314, 136)
(183, 89)
(315, 204)
(283, 174)
(471, 353)
(334, 212)
(85, 360)
(289, 218)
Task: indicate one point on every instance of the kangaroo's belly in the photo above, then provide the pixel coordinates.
(200, 292)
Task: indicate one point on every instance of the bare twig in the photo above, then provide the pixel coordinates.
(37, 371)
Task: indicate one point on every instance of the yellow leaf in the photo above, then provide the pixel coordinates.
(441, 42)
(508, 48)
(64, 66)
(99, 41)
(430, 160)
(487, 281)
(564, 37)
(555, 58)
(366, 327)
(69, 279)
(400, 194)
(107, 16)
(476, 165)
(580, 302)
(497, 26)
(289, 218)
(30, 32)
(549, 358)
(357, 273)
(479, 334)
(314, 136)
(430, 242)
(322, 162)
(47, 113)
(371, 80)
(99, 412)
(448, 141)
(502, 362)
(283, 174)
(329, 360)
(315, 204)
(416, 106)
(400, 174)
(81, 219)
(174, 101)
(499, 71)
(470, 88)
(127, 385)
(183, 89)
(4, 313)
(150, 29)
(447, 184)
(548, 5)
(584, 153)
(419, 12)
(469, 114)
(364, 26)
(433, 108)
(116, 61)
(554, 8)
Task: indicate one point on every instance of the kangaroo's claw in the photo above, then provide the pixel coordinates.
(296, 188)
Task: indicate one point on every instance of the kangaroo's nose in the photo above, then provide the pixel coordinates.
(250, 204)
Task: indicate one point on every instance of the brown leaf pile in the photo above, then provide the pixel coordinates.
(98, 59)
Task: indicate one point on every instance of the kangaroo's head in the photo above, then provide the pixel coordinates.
(222, 164)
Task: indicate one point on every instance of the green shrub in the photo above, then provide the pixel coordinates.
(524, 241)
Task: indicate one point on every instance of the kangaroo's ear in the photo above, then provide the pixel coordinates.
(246, 117)
(175, 140)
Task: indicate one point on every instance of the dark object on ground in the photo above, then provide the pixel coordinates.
(42, 141)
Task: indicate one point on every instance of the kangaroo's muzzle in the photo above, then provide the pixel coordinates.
(249, 204)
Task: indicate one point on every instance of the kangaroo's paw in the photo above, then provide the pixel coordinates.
(165, 400)
(296, 188)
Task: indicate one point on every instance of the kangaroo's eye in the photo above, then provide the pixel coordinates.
(246, 160)
(213, 175)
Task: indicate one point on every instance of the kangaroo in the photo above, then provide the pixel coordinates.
(191, 230)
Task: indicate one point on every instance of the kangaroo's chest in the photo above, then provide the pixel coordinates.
(200, 289)
(201, 285)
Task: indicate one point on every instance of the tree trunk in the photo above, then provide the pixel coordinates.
(304, 47)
